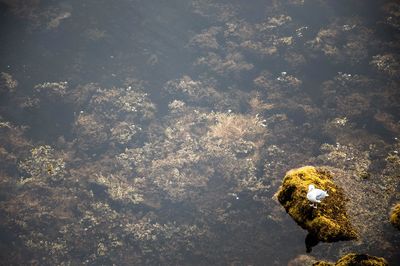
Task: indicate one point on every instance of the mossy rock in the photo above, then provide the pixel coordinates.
(327, 223)
(353, 259)
(323, 263)
(395, 216)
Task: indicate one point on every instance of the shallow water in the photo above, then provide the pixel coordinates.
(178, 121)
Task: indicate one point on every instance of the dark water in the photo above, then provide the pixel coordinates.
(178, 121)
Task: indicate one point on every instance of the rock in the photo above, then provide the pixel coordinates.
(355, 259)
(329, 222)
(395, 216)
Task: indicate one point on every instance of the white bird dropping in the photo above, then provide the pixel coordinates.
(315, 195)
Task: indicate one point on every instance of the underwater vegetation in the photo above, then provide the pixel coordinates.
(197, 147)
(188, 132)
(7, 83)
(44, 164)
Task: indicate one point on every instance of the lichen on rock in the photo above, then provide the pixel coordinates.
(329, 222)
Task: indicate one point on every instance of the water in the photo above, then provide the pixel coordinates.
(178, 121)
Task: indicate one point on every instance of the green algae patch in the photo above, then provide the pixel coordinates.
(329, 222)
(353, 259)
(395, 216)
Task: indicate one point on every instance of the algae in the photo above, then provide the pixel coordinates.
(155, 132)
(353, 259)
(395, 216)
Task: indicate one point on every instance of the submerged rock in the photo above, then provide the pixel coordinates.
(395, 216)
(329, 222)
(355, 259)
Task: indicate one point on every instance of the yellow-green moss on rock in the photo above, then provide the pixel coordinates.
(329, 222)
(395, 216)
(353, 259)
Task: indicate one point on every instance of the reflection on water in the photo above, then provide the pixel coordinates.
(156, 132)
